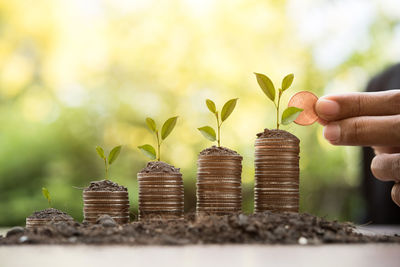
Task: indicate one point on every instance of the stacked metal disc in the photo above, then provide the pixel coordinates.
(276, 174)
(219, 189)
(39, 222)
(160, 196)
(112, 203)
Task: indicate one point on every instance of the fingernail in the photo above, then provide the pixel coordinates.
(332, 132)
(326, 109)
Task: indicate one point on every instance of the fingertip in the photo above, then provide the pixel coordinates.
(396, 194)
(332, 133)
(327, 109)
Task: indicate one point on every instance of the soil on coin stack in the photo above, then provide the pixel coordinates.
(50, 214)
(105, 185)
(276, 133)
(218, 151)
(261, 228)
(159, 166)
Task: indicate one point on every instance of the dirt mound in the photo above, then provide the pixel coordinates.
(262, 228)
(105, 185)
(159, 166)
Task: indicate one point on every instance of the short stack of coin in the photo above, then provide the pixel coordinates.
(112, 203)
(160, 195)
(39, 222)
(219, 189)
(276, 174)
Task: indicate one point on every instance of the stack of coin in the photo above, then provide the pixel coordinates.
(219, 189)
(276, 174)
(160, 195)
(39, 222)
(113, 203)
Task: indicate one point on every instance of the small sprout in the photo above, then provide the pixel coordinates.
(289, 114)
(111, 157)
(46, 194)
(166, 129)
(207, 131)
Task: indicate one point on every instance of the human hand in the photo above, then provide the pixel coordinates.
(367, 119)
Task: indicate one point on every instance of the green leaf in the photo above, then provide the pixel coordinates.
(290, 114)
(114, 154)
(151, 124)
(266, 85)
(148, 151)
(46, 194)
(100, 151)
(287, 81)
(228, 108)
(208, 133)
(168, 127)
(211, 106)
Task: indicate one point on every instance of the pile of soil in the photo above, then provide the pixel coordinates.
(51, 213)
(260, 228)
(159, 166)
(218, 151)
(105, 185)
(276, 133)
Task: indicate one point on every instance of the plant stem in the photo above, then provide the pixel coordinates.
(219, 131)
(277, 110)
(158, 147)
(105, 164)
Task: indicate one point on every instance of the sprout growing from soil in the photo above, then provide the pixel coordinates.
(290, 113)
(46, 194)
(207, 131)
(111, 157)
(166, 129)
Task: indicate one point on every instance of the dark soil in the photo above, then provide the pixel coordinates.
(159, 166)
(275, 133)
(262, 228)
(105, 185)
(50, 213)
(219, 151)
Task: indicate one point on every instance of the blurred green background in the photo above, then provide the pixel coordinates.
(76, 74)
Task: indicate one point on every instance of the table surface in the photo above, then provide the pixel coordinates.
(210, 255)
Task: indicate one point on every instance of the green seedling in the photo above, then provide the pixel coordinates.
(46, 194)
(207, 131)
(111, 157)
(166, 129)
(290, 113)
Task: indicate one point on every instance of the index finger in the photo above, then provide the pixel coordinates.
(343, 106)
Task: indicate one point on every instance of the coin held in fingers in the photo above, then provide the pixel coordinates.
(306, 101)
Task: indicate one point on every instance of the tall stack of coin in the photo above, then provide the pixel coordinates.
(219, 189)
(43, 217)
(106, 197)
(160, 192)
(276, 171)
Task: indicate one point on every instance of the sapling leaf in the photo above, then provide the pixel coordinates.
(287, 81)
(100, 151)
(148, 151)
(211, 106)
(168, 126)
(46, 194)
(151, 124)
(266, 85)
(208, 133)
(228, 108)
(114, 154)
(290, 114)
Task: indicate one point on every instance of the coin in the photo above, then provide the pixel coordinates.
(160, 196)
(113, 203)
(306, 101)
